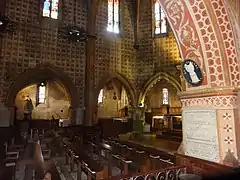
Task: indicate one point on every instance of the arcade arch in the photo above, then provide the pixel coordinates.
(159, 78)
(117, 93)
(59, 88)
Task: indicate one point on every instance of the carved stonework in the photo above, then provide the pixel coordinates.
(224, 101)
(212, 101)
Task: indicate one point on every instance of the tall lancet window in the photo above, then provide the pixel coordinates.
(41, 93)
(160, 19)
(50, 8)
(100, 96)
(165, 96)
(113, 16)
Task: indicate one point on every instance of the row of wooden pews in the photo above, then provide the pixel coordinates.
(144, 158)
(93, 168)
(10, 155)
(97, 158)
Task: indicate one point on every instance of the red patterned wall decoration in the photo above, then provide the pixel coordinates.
(229, 46)
(198, 38)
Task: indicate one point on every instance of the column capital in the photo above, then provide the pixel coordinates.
(217, 98)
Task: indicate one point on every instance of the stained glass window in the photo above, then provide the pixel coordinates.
(50, 8)
(100, 96)
(165, 95)
(41, 93)
(113, 16)
(160, 19)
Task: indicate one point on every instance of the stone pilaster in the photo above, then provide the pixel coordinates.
(223, 101)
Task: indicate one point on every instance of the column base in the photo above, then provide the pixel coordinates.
(210, 124)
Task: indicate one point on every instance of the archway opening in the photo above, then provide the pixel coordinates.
(43, 100)
(45, 87)
(163, 110)
(114, 108)
(163, 94)
(113, 101)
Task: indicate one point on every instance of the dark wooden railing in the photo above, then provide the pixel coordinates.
(201, 167)
(168, 173)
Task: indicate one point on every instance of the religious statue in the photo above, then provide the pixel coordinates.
(189, 67)
(28, 108)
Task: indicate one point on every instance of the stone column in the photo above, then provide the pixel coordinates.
(211, 126)
(137, 119)
(90, 59)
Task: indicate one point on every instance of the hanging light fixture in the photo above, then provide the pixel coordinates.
(74, 33)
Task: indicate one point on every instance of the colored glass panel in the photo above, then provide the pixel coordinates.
(46, 8)
(110, 15)
(54, 9)
(113, 16)
(165, 95)
(160, 19)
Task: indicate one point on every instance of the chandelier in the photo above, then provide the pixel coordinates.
(74, 34)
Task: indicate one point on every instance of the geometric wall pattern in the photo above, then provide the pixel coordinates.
(36, 42)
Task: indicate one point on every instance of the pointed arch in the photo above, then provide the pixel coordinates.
(40, 72)
(123, 80)
(154, 80)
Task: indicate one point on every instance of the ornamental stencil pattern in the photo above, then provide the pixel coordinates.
(226, 126)
(228, 40)
(210, 42)
(200, 41)
(186, 32)
(226, 102)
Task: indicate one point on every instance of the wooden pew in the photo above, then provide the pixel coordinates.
(43, 167)
(144, 159)
(94, 169)
(115, 158)
(123, 163)
(147, 149)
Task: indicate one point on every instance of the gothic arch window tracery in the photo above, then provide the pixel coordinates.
(113, 16)
(160, 20)
(165, 96)
(50, 8)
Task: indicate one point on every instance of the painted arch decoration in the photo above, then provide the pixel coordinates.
(198, 38)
